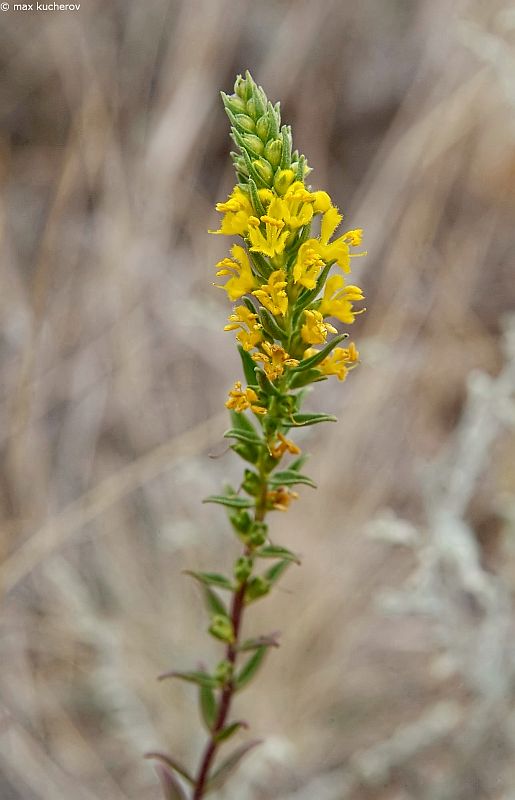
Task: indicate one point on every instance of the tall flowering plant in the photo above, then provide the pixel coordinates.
(280, 276)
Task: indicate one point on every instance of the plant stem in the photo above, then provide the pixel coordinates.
(238, 603)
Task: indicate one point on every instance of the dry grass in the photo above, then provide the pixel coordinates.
(114, 369)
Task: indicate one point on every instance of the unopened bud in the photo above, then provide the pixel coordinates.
(253, 143)
(264, 170)
(283, 180)
(251, 107)
(221, 628)
(258, 534)
(273, 152)
(223, 672)
(240, 87)
(262, 127)
(242, 569)
(257, 587)
(246, 122)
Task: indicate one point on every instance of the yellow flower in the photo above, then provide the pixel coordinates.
(314, 330)
(339, 362)
(297, 206)
(250, 331)
(273, 241)
(274, 359)
(338, 299)
(236, 210)
(284, 445)
(272, 295)
(307, 266)
(281, 498)
(322, 202)
(240, 399)
(242, 280)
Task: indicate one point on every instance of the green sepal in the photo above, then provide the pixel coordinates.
(249, 669)
(211, 579)
(228, 766)
(194, 676)
(270, 325)
(274, 573)
(241, 522)
(208, 706)
(249, 367)
(290, 477)
(242, 434)
(172, 764)
(230, 730)
(221, 628)
(275, 120)
(213, 603)
(231, 501)
(313, 360)
(252, 483)
(275, 551)
(302, 420)
(254, 197)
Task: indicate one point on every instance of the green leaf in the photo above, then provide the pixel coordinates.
(226, 769)
(286, 154)
(169, 784)
(243, 435)
(231, 501)
(312, 361)
(249, 669)
(230, 730)
(248, 370)
(265, 384)
(308, 376)
(208, 706)
(289, 477)
(211, 579)
(275, 551)
(198, 677)
(269, 640)
(274, 573)
(213, 602)
(306, 298)
(298, 463)
(301, 420)
(172, 764)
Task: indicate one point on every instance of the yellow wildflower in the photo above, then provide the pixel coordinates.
(273, 241)
(236, 210)
(307, 266)
(314, 330)
(272, 295)
(240, 399)
(281, 498)
(274, 359)
(250, 333)
(242, 280)
(338, 299)
(338, 362)
(284, 445)
(297, 206)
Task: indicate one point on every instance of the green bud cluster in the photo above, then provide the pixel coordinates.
(264, 145)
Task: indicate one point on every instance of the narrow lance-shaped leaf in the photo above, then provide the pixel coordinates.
(248, 370)
(172, 764)
(249, 669)
(315, 359)
(208, 706)
(211, 579)
(274, 573)
(170, 785)
(290, 477)
(230, 730)
(275, 551)
(231, 501)
(243, 435)
(226, 769)
(268, 640)
(213, 603)
(302, 420)
(194, 676)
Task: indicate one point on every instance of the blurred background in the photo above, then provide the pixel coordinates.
(396, 675)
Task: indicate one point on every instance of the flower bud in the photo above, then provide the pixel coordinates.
(251, 483)
(221, 628)
(246, 122)
(242, 569)
(240, 87)
(251, 107)
(258, 534)
(253, 143)
(241, 521)
(273, 152)
(257, 588)
(283, 180)
(262, 127)
(223, 672)
(264, 170)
